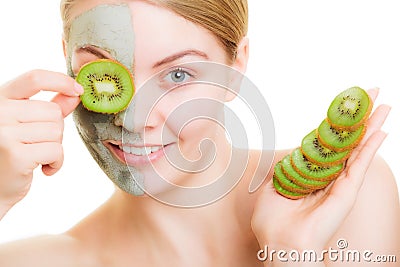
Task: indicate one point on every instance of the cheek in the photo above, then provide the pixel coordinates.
(198, 130)
(95, 126)
(77, 61)
(194, 116)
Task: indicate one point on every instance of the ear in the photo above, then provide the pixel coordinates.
(64, 45)
(242, 55)
(240, 65)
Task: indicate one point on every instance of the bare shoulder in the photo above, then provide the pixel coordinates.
(374, 222)
(379, 185)
(43, 251)
(379, 194)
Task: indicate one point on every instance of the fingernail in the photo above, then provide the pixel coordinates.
(388, 108)
(78, 88)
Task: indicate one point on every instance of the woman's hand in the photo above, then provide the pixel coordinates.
(310, 223)
(31, 131)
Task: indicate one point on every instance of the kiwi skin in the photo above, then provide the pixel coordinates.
(330, 177)
(307, 174)
(296, 178)
(312, 155)
(126, 87)
(286, 193)
(351, 146)
(286, 183)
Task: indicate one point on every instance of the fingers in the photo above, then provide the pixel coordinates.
(356, 172)
(49, 154)
(377, 119)
(344, 191)
(25, 111)
(31, 131)
(38, 132)
(373, 93)
(66, 103)
(31, 134)
(25, 142)
(374, 124)
(32, 82)
(350, 182)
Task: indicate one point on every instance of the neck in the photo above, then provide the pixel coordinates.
(174, 229)
(221, 225)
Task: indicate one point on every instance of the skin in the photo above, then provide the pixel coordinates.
(138, 231)
(108, 36)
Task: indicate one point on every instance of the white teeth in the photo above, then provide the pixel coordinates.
(140, 151)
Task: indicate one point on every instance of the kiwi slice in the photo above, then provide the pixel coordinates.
(349, 109)
(323, 152)
(284, 192)
(108, 86)
(294, 176)
(339, 140)
(311, 170)
(286, 183)
(319, 154)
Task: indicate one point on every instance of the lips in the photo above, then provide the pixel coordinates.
(136, 156)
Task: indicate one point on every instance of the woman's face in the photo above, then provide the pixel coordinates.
(161, 135)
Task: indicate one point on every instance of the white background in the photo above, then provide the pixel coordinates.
(302, 54)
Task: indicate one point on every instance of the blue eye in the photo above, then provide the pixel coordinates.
(178, 76)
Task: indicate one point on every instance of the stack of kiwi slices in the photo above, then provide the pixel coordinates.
(323, 152)
(108, 86)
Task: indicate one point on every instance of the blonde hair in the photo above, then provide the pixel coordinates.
(226, 19)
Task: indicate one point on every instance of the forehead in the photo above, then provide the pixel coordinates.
(108, 27)
(138, 33)
(81, 6)
(160, 32)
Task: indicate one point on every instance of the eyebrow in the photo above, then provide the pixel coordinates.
(190, 52)
(93, 51)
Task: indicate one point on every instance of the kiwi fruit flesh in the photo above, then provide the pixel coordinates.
(296, 178)
(108, 86)
(349, 109)
(286, 193)
(319, 154)
(339, 139)
(323, 152)
(286, 183)
(311, 170)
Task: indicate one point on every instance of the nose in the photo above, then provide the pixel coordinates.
(142, 113)
(119, 119)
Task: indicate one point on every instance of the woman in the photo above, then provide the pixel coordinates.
(132, 228)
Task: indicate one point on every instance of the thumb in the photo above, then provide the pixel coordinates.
(67, 103)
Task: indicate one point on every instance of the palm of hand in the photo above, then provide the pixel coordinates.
(309, 223)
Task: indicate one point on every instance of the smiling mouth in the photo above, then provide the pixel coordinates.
(140, 151)
(135, 155)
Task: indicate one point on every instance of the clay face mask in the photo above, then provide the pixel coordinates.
(108, 27)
